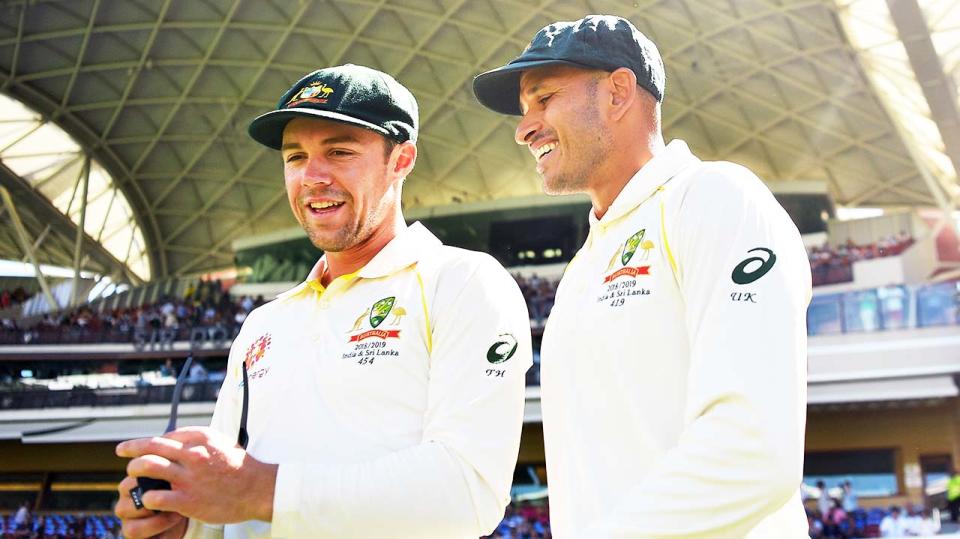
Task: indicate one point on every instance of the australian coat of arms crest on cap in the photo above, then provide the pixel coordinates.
(315, 92)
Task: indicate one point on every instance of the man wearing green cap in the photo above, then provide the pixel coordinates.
(384, 395)
(673, 370)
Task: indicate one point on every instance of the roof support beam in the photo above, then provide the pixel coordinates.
(908, 142)
(938, 89)
(84, 180)
(47, 214)
(27, 247)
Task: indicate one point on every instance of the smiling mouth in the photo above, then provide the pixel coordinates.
(540, 152)
(326, 206)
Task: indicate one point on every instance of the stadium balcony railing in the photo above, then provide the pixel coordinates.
(140, 338)
(34, 397)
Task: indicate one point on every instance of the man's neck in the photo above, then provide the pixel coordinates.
(610, 184)
(356, 257)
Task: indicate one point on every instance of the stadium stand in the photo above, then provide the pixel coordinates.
(830, 265)
(62, 526)
(897, 307)
(10, 298)
(203, 308)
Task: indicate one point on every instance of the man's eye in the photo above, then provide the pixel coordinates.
(543, 99)
(293, 157)
(340, 153)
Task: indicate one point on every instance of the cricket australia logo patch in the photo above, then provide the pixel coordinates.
(380, 310)
(621, 283)
(375, 315)
(373, 330)
(626, 253)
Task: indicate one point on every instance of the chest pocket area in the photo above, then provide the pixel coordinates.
(381, 351)
(635, 294)
(628, 277)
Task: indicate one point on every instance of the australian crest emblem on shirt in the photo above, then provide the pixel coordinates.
(380, 310)
(630, 246)
(383, 310)
(627, 253)
(372, 334)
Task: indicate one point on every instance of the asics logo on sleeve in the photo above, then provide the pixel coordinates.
(503, 349)
(740, 274)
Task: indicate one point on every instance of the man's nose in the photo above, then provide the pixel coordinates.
(526, 129)
(316, 172)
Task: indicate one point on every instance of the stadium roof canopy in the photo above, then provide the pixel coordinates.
(152, 97)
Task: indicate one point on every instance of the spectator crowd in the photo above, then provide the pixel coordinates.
(831, 265)
(206, 305)
(12, 298)
(539, 293)
(21, 524)
(842, 518)
(526, 520)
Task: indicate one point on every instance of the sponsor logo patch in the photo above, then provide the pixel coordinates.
(503, 349)
(257, 350)
(747, 271)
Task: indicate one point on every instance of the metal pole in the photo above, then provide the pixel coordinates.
(41, 237)
(85, 178)
(27, 246)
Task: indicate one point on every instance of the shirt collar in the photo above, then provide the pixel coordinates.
(406, 249)
(403, 251)
(675, 157)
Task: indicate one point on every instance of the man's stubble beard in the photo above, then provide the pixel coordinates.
(357, 230)
(593, 153)
(339, 242)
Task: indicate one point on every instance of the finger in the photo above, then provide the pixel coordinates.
(149, 526)
(157, 445)
(165, 500)
(127, 484)
(124, 507)
(191, 435)
(156, 467)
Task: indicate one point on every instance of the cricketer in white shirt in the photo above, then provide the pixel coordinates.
(392, 400)
(674, 362)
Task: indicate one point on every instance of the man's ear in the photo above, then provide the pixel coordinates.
(404, 158)
(622, 85)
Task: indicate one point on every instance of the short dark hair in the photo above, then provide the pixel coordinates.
(388, 145)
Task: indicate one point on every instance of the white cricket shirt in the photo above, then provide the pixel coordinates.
(392, 400)
(674, 362)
